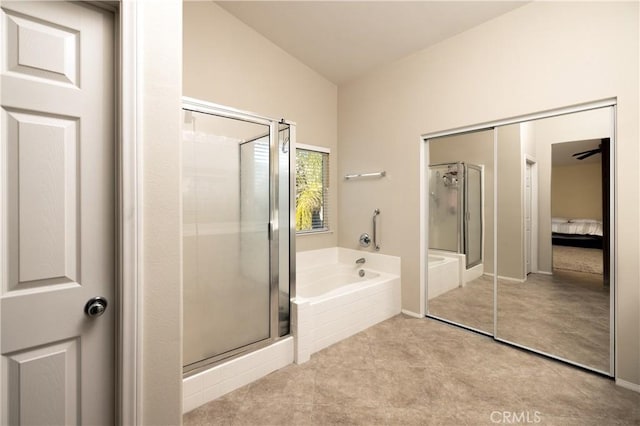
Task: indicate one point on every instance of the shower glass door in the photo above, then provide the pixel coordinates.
(226, 236)
(473, 215)
(286, 240)
(445, 191)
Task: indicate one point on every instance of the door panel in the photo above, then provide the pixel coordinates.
(226, 236)
(40, 48)
(57, 218)
(458, 293)
(444, 192)
(563, 309)
(42, 164)
(51, 401)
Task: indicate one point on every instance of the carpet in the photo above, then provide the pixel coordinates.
(577, 259)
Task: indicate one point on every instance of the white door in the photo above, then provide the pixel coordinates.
(57, 213)
(527, 219)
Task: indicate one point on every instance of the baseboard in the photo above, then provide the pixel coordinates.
(411, 313)
(543, 273)
(513, 280)
(500, 277)
(628, 385)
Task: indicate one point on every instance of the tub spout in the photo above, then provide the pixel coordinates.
(361, 261)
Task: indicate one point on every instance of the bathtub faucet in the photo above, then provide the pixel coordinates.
(361, 261)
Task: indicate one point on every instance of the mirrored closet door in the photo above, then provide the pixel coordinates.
(545, 184)
(553, 242)
(460, 227)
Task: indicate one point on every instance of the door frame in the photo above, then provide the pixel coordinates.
(127, 338)
(532, 163)
(480, 169)
(128, 335)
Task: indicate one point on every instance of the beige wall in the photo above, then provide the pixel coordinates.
(576, 191)
(510, 217)
(541, 56)
(159, 56)
(228, 63)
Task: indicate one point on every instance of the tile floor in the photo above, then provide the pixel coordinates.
(565, 314)
(407, 371)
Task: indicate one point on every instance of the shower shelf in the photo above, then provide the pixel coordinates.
(365, 175)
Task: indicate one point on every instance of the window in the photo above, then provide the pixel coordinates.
(312, 189)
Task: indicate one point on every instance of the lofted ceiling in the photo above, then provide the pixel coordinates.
(345, 39)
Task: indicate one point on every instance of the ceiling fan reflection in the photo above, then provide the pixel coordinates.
(586, 154)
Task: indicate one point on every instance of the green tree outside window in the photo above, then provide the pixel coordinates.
(311, 190)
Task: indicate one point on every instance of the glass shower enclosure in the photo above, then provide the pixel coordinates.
(455, 209)
(238, 235)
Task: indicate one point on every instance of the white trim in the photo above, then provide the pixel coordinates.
(550, 355)
(628, 385)
(197, 105)
(313, 148)
(523, 209)
(613, 242)
(411, 313)
(495, 231)
(521, 118)
(303, 233)
(533, 163)
(4, 230)
(483, 216)
(461, 325)
(129, 357)
(501, 277)
(424, 229)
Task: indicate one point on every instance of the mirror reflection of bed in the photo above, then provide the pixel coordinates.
(577, 245)
(577, 206)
